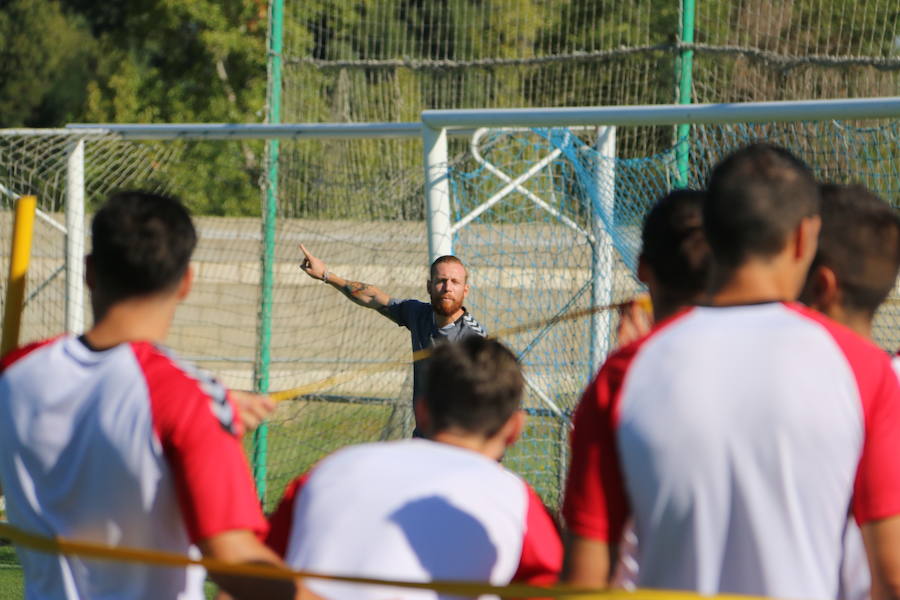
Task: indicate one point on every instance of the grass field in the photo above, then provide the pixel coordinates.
(12, 583)
(11, 580)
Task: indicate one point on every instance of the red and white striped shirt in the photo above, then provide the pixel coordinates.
(125, 447)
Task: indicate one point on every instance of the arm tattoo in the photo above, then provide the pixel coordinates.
(362, 294)
(351, 288)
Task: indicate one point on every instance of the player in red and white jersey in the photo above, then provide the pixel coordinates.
(428, 509)
(674, 265)
(738, 434)
(854, 270)
(108, 438)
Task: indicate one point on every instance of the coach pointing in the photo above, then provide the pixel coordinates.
(443, 319)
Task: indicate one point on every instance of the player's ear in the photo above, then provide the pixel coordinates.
(428, 286)
(187, 280)
(821, 289)
(826, 286)
(513, 428)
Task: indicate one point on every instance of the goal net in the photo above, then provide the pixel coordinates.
(560, 242)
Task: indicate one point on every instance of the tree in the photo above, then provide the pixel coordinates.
(45, 63)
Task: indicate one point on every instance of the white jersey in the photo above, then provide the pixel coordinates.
(416, 510)
(739, 439)
(123, 447)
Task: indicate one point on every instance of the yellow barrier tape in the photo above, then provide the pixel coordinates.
(312, 388)
(456, 588)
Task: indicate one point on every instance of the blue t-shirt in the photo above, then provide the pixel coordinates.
(418, 317)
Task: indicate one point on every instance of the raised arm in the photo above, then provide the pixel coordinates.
(363, 294)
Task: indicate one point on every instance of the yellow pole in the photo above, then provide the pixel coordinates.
(23, 229)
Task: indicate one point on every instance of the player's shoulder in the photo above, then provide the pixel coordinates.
(171, 378)
(409, 304)
(471, 326)
(621, 358)
(603, 391)
(850, 342)
(18, 354)
(409, 310)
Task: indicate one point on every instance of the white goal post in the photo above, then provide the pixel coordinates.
(511, 289)
(434, 129)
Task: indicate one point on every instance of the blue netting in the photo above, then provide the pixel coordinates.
(569, 235)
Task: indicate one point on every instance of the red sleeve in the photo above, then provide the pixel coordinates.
(876, 491)
(542, 550)
(196, 424)
(21, 352)
(282, 519)
(596, 504)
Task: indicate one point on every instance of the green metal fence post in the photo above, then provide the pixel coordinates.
(270, 205)
(685, 73)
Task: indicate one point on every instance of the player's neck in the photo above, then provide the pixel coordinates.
(753, 282)
(490, 447)
(667, 305)
(861, 323)
(136, 319)
(444, 320)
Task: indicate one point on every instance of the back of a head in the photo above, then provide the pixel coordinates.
(755, 198)
(673, 244)
(142, 244)
(474, 385)
(860, 242)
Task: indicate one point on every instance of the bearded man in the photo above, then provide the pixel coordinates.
(443, 319)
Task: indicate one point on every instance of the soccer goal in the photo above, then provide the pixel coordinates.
(540, 205)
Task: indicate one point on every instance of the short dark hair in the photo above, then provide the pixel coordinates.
(447, 258)
(142, 244)
(673, 243)
(860, 242)
(755, 198)
(474, 385)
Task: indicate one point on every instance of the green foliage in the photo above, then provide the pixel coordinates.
(182, 61)
(45, 58)
(145, 61)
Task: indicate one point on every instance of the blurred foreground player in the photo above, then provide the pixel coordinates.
(854, 270)
(738, 434)
(109, 438)
(428, 509)
(674, 264)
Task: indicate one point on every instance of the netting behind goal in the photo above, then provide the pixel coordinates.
(529, 265)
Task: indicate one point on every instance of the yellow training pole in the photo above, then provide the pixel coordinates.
(23, 229)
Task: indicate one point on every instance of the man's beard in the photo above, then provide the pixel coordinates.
(445, 306)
